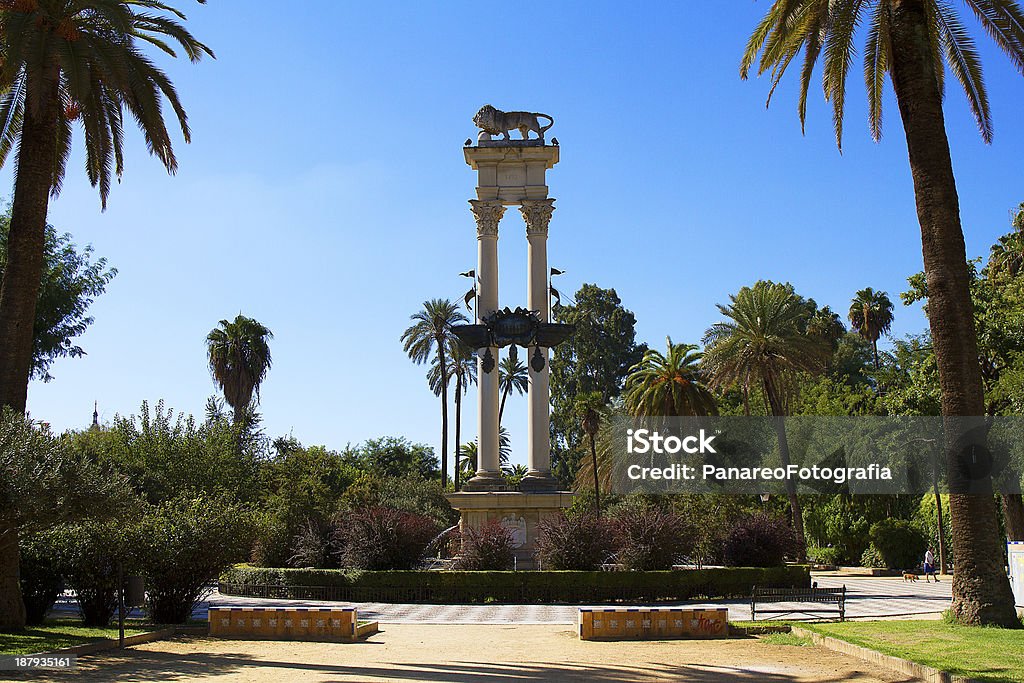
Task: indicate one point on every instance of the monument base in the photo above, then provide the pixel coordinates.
(520, 511)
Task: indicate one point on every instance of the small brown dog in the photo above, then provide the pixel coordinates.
(907, 576)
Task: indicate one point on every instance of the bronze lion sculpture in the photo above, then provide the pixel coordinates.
(496, 122)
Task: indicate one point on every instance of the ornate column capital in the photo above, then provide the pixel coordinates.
(487, 214)
(537, 214)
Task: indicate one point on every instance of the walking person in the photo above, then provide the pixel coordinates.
(929, 565)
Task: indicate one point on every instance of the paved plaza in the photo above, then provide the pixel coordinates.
(868, 597)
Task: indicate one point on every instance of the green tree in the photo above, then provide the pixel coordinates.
(430, 334)
(512, 376)
(668, 384)
(239, 355)
(68, 61)
(469, 454)
(71, 281)
(597, 357)
(871, 315)
(913, 41)
(44, 483)
(393, 456)
(1007, 255)
(763, 347)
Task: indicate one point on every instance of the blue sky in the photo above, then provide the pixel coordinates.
(325, 194)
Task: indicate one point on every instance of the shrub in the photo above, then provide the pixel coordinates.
(41, 578)
(273, 544)
(383, 538)
(90, 553)
(829, 555)
(900, 543)
(649, 537)
(487, 548)
(580, 542)
(760, 540)
(314, 547)
(186, 543)
(872, 559)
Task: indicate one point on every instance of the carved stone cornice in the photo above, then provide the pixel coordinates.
(487, 214)
(537, 214)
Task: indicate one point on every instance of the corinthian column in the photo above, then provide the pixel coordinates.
(537, 214)
(488, 474)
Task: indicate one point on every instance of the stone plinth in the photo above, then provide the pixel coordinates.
(521, 512)
(510, 173)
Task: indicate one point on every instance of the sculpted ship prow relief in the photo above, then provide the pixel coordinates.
(493, 121)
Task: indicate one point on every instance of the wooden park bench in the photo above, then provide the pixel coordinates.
(830, 600)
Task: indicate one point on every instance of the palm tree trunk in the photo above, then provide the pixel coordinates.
(597, 486)
(444, 414)
(981, 591)
(775, 405)
(501, 408)
(19, 291)
(874, 350)
(1013, 516)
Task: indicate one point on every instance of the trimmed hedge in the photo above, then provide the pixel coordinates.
(512, 587)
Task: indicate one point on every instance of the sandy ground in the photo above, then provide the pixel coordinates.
(475, 653)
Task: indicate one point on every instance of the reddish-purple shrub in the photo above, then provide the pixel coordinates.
(486, 548)
(759, 540)
(581, 541)
(381, 538)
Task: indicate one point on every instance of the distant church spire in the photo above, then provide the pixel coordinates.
(95, 414)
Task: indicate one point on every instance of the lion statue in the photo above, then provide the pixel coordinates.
(496, 122)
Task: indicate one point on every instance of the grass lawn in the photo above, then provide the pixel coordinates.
(58, 634)
(986, 654)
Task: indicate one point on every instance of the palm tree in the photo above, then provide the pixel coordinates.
(430, 333)
(762, 346)
(871, 316)
(912, 41)
(463, 368)
(62, 62)
(668, 384)
(588, 408)
(512, 374)
(469, 454)
(239, 356)
(826, 323)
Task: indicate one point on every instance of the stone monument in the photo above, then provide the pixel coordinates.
(512, 173)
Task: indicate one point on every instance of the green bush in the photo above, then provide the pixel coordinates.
(488, 548)
(89, 556)
(457, 587)
(900, 543)
(830, 556)
(41, 578)
(581, 542)
(872, 559)
(184, 544)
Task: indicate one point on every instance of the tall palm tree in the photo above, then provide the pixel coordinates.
(430, 334)
(871, 316)
(462, 368)
(65, 61)
(761, 346)
(668, 384)
(512, 375)
(827, 324)
(913, 41)
(239, 355)
(589, 407)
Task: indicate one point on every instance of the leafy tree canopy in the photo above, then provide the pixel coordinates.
(72, 279)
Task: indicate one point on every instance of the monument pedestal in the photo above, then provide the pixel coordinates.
(520, 512)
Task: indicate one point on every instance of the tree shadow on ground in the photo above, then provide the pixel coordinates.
(133, 666)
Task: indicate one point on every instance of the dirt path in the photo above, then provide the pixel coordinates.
(474, 653)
